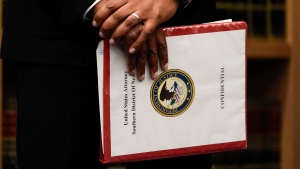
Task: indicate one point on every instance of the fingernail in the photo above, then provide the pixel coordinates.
(166, 67)
(111, 42)
(155, 75)
(94, 23)
(142, 77)
(132, 51)
(132, 72)
(101, 35)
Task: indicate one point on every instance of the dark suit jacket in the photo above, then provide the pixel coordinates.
(53, 32)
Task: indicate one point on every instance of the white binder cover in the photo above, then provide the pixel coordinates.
(197, 106)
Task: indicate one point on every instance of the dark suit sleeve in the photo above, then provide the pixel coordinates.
(198, 11)
(69, 12)
(48, 18)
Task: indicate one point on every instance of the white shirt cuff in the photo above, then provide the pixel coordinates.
(84, 16)
(186, 3)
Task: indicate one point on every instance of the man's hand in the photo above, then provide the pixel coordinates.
(154, 50)
(115, 19)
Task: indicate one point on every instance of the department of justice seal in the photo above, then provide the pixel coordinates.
(172, 92)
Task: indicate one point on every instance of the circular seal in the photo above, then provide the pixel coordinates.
(172, 92)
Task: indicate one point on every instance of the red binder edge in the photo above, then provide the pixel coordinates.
(106, 105)
(106, 157)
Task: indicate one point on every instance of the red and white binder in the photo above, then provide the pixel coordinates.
(198, 106)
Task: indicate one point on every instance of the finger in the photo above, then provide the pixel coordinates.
(141, 62)
(116, 19)
(131, 60)
(126, 26)
(152, 56)
(146, 32)
(104, 9)
(162, 48)
(127, 42)
(131, 36)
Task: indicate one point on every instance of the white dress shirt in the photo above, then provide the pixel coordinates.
(84, 16)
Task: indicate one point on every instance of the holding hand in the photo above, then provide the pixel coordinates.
(117, 17)
(152, 51)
